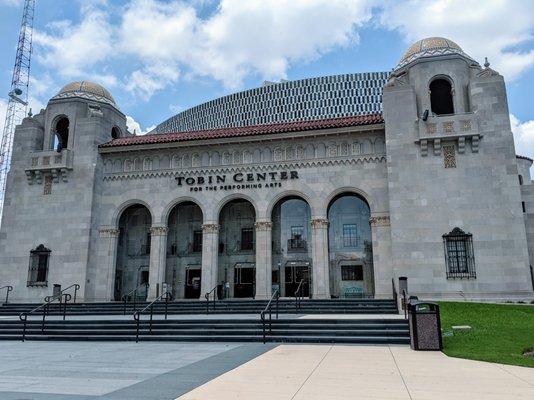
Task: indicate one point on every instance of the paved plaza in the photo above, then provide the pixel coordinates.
(218, 371)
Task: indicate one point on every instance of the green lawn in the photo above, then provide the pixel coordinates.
(499, 332)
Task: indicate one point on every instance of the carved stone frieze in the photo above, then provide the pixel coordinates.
(263, 225)
(319, 223)
(109, 232)
(158, 231)
(382, 220)
(210, 228)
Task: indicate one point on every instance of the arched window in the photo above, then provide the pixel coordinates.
(520, 179)
(115, 133)
(61, 134)
(38, 270)
(441, 97)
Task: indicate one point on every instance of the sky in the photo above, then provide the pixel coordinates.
(159, 57)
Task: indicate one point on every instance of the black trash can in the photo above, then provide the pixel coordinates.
(425, 325)
(56, 291)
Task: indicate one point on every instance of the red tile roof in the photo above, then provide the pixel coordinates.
(298, 126)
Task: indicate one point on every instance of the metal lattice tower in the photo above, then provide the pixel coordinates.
(18, 94)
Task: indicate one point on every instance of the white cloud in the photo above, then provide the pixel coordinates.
(240, 38)
(134, 126)
(490, 29)
(523, 136)
(72, 49)
(12, 3)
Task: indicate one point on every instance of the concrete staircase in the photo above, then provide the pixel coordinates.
(105, 322)
(334, 306)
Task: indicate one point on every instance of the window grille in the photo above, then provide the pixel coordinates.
(459, 255)
(247, 239)
(351, 273)
(38, 268)
(197, 241)
(350, 235)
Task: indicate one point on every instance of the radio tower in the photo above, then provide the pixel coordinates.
(18, 94)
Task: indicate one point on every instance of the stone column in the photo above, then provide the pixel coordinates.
(107, 261)
(210, 257)
(263, 259)
(158, 260)
(320, 268)
(382, 265)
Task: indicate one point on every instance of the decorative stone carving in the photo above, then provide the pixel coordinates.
(356, 148)
(474, 143)
(158, 230)
(109, 232)
(461, 145)
(278, 154)
(47, 187)
(210, 228)
(300, 152)
(449, 156)
(319, 223)
(290, 153)
(195, 160)
(344, 149)
(332, 150)
(448, 127)
(431, 128)
(263, 225)
(238, 157)
(437, 147)
(465, 125)
(382, 220)
(226, 158)
(424, 148)
(247, 157)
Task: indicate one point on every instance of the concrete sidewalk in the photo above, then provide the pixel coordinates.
(314, 372)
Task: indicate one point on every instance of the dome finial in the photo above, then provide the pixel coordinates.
(486, 62)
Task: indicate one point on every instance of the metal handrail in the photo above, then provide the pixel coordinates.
(298, 296)
(207, 297)
(268, 308)
(125, 296)
(9, 289)
(74, 285)
(404, 304)
(23, 316)
(137, 314)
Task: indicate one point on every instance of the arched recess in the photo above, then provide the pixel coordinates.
(234, 196)
(183, 199)
(133, 252)
(237, 256)
(60, 133)
(346, 190)
(291, 245)
(288, 194)
(184, 250)
(350, 246)
(120, 210)
(441, 95)
(115, 132)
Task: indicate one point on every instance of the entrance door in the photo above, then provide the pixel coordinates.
(244, 280)
(192, 283)
(294, 274)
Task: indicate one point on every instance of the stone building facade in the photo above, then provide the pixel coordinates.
(430, 188)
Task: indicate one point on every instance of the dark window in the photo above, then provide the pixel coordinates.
(297, 241)
(351, 273)
(145, 249)
(38, 270)
(350, 237)
(459, 255)
(247, 239)
(197, 241)
(524, 206)
(115, 133)
(61, 132)
(441, 97)
(520, 179)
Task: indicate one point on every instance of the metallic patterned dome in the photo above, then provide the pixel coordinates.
(86, 90)
(433, 46)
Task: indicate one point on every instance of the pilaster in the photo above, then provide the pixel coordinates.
(382, 266)
(263, 259)
(321, 276)
(210, 254)
(158, 255)
(105, 276)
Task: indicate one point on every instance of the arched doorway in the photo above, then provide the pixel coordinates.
(184, 250)
(291, 246)
(61, 134)
(350, 247)
(133, 251)
(237, 257)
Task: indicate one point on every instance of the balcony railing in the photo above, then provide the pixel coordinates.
(49, 161)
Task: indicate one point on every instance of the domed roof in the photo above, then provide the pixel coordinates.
(87, 90)
(433, 46)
